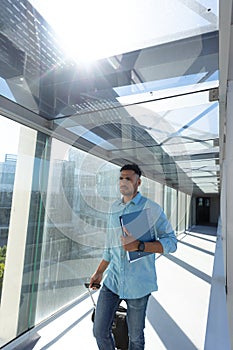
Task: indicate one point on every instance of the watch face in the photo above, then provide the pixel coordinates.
(141, 246)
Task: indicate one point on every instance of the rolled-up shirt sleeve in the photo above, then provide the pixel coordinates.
(106, 254)
(166, 234)
(108, 240)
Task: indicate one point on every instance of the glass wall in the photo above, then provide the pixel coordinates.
(53, 239)
(153, 190)
(170, 205)
(188, 212)
(181, 212)
(80, 189)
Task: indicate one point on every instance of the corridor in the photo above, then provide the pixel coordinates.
(177, 314)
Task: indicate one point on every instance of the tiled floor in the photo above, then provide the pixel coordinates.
(177, 313)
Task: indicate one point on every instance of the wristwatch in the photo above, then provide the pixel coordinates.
(141, 246)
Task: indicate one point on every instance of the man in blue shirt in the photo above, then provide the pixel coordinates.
(134, 281)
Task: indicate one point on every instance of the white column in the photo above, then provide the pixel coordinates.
(229, 202)
(14, 264)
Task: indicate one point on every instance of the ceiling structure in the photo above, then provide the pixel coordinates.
(155, 103)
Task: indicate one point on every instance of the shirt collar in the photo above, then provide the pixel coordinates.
(135, 199)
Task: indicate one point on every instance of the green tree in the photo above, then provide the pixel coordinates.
(1, 271)
(3, 254)
(2, 265)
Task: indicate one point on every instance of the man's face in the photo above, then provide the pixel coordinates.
(129, 182)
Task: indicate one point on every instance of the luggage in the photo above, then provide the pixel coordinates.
(120, 329)
(119, 326)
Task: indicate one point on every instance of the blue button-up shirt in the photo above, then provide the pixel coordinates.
(138, 278)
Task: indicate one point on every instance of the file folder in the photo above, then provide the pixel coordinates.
(139, 225)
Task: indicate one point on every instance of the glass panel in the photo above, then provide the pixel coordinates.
(187, 135)
(170, 205)
(192, 17)
(181, 212)
(176, 146)
(35, 226)
(80, 190)
(152, 190)
(188, 213)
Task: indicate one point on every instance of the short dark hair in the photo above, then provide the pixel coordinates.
(133, 167)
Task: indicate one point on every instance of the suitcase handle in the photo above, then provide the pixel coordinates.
(96, 285)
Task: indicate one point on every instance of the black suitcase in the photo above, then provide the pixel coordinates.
(119, 326)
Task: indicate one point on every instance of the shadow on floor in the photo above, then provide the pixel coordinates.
(29, 343)
(167, 329)
(205, 230)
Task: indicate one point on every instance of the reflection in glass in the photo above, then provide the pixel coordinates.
(80, 190)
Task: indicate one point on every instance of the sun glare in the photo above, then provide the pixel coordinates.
(82, 31)
(88, 30)
(91, 29)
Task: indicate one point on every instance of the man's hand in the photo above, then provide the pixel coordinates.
(98, 275)
(95, 278)
(129, 243)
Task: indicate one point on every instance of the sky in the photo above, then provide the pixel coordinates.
(9, 131)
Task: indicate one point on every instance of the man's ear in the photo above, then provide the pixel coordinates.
(139, 181)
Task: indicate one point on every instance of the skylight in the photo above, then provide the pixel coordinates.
(96, 29)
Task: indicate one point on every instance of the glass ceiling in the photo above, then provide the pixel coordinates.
(92, 29)
(133, 82)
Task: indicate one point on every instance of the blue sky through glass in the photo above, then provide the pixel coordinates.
(9, 137)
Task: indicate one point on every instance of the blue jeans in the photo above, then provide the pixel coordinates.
(105, 310)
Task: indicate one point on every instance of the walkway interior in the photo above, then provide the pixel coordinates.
(177, 314)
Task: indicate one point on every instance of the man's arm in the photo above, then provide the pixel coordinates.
(131, 245)
(166, 243)
(98, 274)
